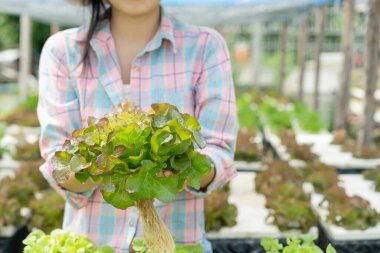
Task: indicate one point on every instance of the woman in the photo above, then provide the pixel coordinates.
(133, 50)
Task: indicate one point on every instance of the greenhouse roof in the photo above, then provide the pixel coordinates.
(207, 12)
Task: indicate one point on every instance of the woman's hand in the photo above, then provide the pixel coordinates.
(205, 181)
(73, 185)
(168, 173)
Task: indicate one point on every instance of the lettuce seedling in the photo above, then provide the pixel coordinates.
(139, 246)
(288, 205)
(373, 175)
(246, 148)
(61, 241)
(349, 212)
(47, 211)
(218, 211)
(127, 151)
(296, 151)
(321, 176)
(294, 245)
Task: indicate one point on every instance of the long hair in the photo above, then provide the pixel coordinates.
(99, 13)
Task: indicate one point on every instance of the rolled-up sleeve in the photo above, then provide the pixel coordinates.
(216, 110)
(58, 111)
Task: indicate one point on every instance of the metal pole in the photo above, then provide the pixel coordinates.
(344, 92)
(256, 51)
(25, 55)
(302, 49)
(321, 16)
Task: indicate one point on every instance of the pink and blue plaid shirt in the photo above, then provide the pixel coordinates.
(184, 65)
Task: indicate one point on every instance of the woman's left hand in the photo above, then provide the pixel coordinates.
(205, 181)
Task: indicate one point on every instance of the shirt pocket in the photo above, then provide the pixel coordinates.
(93, 99)
(178, 93)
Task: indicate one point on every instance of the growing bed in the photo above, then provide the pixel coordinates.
(363, 241)
(251, 220)
(333, 155)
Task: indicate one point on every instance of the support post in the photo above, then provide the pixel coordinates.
(321, 16)
(54, 28)
(343, 98)
(302, 50)
(283, 46)
(25, 55)
(365, 137)
(256, 50)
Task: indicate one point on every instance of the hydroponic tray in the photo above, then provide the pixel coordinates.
(15, 129)
(281, 150)
(8, 166)
(251, 213)
(354, 185)
(13, 243)
(333, 155)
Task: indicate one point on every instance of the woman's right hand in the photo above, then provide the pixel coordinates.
(73, 185)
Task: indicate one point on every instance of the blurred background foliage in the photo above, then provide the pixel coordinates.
(10, 30)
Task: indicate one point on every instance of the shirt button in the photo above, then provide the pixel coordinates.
(131, 223)
(136, 67)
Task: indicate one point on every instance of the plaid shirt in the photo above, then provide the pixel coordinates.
(184, 65)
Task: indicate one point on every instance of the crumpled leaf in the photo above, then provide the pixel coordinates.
(61, 164)
(161, 137)
(191, 122)
(119, 150)
(106, 163)
(180, 162)
(119, 196)
(201, 142)
(82, 176)
(166, 113)
(136, 159)
(148, 185)
(70, 146)
(202, 166)
(78, 163)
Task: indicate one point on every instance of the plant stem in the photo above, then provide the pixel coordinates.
(156, 235)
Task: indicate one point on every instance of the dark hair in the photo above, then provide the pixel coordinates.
(99, 13)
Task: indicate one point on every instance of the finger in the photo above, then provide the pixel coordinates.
(160, 174)
(168, 173)
(185, 185)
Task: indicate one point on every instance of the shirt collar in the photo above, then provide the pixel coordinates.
(164, 32)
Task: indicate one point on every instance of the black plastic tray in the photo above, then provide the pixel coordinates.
(14, 243)
(352, 246)
(242, 245)
(236, 246)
